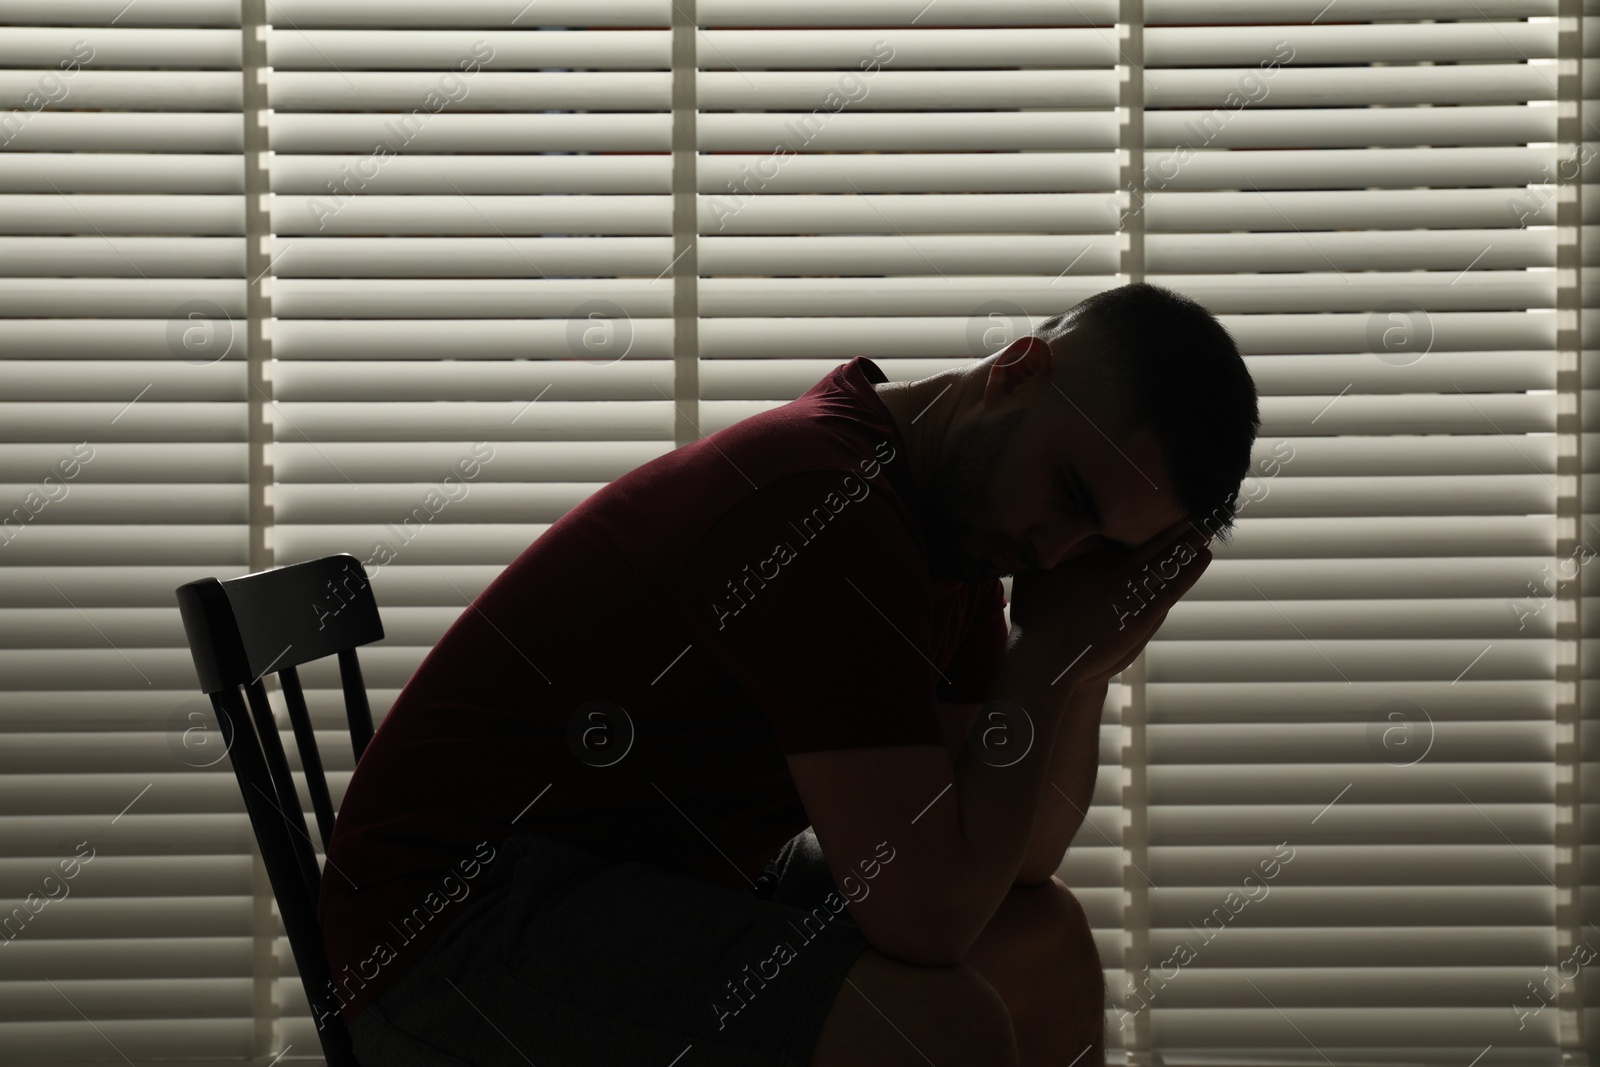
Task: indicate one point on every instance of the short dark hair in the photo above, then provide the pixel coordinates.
(1148, 356)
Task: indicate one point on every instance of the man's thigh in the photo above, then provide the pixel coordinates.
(570, 960)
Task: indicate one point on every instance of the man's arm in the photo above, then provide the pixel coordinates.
(960, 829)
(1073, 767)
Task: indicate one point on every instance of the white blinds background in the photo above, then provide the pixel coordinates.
(481, 280)
(125, 862)
(1588, 740)
(1349, 676)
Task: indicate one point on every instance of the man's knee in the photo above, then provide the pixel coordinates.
(1075, 961)
(1079, 955)
(1038, 951)
(1055, 922)
(1074, 920)
(890, 1013)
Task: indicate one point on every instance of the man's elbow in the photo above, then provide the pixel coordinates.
(1039, 872)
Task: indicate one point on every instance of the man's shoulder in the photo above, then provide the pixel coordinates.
(779, 454)
(826, 455)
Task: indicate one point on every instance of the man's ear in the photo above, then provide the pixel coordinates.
(1021, 350)
(1023, 360)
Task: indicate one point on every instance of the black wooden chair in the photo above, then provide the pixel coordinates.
(240, 629)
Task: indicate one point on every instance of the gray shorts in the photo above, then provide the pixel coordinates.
(569, 960)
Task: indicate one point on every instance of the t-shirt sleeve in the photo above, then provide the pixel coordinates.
(972, 671)
(813, 595)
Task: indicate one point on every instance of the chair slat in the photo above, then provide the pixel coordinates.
(305, 740)
(355, 701)
(281, 790)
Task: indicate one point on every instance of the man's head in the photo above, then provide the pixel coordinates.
(1108, 423)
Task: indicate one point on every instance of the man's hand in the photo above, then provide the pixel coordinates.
(1076, 756)
(1083, 607)
(1103, 679)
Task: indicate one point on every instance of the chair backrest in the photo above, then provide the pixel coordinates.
(272, 621)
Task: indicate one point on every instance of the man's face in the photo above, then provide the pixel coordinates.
(1012, 489)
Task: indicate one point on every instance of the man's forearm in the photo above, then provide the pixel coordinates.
(1000, 780)
(1073, 768)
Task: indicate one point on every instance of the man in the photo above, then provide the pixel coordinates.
(739, 764)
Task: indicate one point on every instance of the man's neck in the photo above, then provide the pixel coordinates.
(924, 411)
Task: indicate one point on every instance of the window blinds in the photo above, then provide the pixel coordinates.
(125, 866)
(1352, 736)
(1338, 817)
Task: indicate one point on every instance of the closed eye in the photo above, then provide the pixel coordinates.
(1065, 501)
(1071, 508)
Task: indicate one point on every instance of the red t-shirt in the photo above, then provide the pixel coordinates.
(632, 681)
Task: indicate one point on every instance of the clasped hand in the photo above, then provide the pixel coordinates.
(1102, 607)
